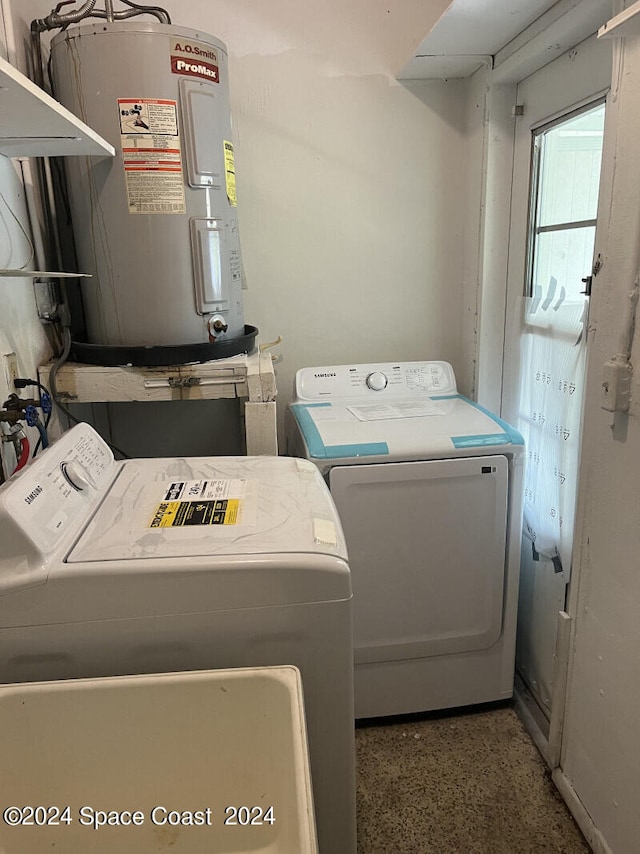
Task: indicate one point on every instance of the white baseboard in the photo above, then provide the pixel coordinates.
(526, 710)
(584, 821)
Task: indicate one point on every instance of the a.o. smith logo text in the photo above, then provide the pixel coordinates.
(195, 50)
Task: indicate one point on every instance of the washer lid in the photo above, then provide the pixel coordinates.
(222, 506)
(403, 429)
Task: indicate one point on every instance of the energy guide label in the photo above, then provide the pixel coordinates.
(200, 502)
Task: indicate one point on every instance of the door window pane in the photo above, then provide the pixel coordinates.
(565, 256)
(571, 154)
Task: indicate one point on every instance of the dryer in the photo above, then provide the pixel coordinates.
(428, 486)
(162, 565)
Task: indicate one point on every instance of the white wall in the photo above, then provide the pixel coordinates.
(20, 330)
(601, 743)
(476, 123)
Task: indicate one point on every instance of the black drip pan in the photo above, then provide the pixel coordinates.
(114, 356)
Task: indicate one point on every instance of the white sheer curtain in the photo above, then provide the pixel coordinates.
(552, 366)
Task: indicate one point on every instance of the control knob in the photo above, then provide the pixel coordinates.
(376, 381)
(76, 475)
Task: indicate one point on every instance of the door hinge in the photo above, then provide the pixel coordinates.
(597, 265)
(588, 280)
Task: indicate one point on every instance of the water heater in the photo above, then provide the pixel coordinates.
(157, 225)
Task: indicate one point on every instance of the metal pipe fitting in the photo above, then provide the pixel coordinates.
(54, 19)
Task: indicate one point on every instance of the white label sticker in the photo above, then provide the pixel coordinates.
(387, 412)
(204, 490)
(151, 155)
(324, 531)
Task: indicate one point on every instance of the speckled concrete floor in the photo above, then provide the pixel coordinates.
(470, 783)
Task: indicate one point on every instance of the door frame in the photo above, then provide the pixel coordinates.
(502, 266)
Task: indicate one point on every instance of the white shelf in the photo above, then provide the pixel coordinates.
(627, 23)
(35, 125)
(41, 274)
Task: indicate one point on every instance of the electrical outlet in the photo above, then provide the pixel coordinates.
(10, 365)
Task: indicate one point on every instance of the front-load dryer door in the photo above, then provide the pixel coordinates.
(427, 551)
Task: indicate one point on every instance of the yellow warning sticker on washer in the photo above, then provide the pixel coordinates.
(230, 172)
(179, 514)
(200, 502)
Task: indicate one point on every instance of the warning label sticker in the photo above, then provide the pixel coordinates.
(151, 155)
(200, 502)
(194, 59)
(177, 514)
(230, 172)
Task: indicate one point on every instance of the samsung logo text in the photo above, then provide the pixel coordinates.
(31, 497)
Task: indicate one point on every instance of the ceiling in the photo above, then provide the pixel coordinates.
(471, 33)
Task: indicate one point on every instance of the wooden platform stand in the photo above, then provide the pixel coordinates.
(250, 378)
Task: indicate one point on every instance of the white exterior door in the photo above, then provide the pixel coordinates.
(557, 155)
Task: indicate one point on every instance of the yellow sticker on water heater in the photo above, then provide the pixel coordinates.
(230, 173)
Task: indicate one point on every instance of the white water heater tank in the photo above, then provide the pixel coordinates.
(157, 225)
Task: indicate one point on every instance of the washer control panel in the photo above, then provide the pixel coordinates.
(386, 380)
(57, 491)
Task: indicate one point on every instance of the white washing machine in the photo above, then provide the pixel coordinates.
(155, 565)
(428, 486)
